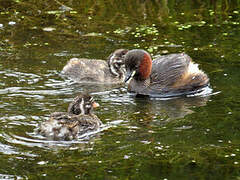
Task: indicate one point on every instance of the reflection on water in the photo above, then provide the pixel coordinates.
(148, 109)
(172, 108)
(142, 138)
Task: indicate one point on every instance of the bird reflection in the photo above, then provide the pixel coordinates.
(147, 109)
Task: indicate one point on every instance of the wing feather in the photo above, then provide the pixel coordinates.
(168, 69)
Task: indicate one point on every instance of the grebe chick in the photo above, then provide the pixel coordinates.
(77, 121)
(84, 70)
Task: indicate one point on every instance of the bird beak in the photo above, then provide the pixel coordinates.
(95, 105)
(129, 75)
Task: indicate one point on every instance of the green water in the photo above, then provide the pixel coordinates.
(183, 138)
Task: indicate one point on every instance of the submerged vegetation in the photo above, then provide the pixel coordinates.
(193, 138)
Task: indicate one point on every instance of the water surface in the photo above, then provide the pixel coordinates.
(183, 138)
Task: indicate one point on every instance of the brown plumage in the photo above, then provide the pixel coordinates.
(84, 70)
(77, 121)
(169, 75)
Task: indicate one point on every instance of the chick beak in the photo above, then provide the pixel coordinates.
(129, 75)
(95, 105)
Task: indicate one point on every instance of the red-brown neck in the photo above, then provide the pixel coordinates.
(145, 66)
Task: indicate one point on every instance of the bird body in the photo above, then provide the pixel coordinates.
(98, 71)
(169, 75)
(77, 121)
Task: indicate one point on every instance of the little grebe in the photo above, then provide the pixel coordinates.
(97, 71)
(77, 121)
(166, 76)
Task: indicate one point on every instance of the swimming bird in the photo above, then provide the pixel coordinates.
(167, 76)
(84, 70)
(77, 121)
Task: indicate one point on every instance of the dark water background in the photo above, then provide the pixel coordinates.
(183, 138)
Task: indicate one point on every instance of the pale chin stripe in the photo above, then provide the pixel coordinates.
(91, 99)
(113, 70)
(81, 106)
